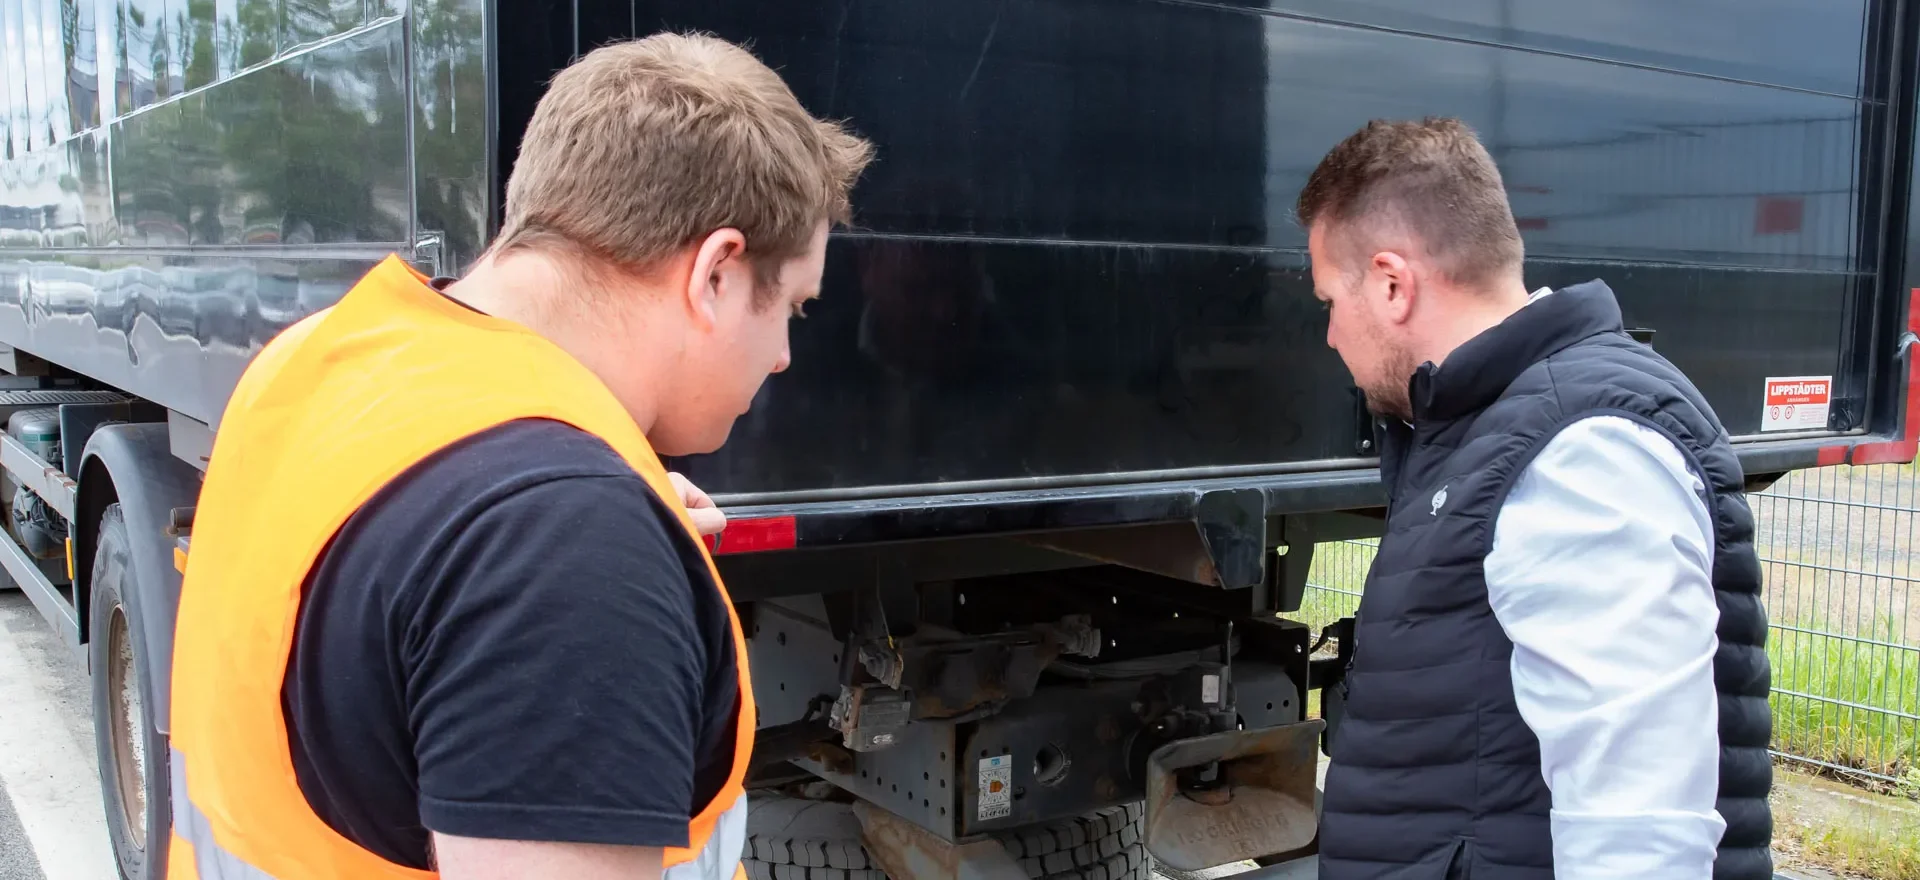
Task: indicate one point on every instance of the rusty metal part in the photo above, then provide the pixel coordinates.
(1265, 807)
(904, 849)
(1172, 550)
(870, 717)
(1212, 797)
(884, 663)
(1074, 634)
(784, 742)
(951, 674)
(832, 757)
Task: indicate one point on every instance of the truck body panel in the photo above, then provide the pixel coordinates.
(1077, 244)
(1061, 437)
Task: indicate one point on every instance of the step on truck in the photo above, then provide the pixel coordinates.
(1024, 539)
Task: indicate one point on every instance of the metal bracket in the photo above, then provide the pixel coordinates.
(1267, 808)
(430, 252)
(190, 439)
(1328, 675)
(1233, 528)
(1287, 575)
(20, 363)
(870, 716)
(78, 421)
(1222, 545)
(1365, 426)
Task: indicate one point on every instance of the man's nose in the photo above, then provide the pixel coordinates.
(786, 360)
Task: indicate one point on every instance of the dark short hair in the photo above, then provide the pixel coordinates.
(1432, 176)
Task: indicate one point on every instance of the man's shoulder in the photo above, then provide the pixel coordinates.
(1608, 374)
(1608, 447)
(524, 469)
(1616, 372)
(510, 582)
(514, 456)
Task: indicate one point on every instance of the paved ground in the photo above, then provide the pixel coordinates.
(50, 815)
(16, 854)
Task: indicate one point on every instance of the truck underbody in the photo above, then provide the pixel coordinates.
(1021, 542)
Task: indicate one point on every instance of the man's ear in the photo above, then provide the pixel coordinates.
(1400, 284)
(720, 255)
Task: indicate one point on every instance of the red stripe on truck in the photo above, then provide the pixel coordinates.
(757, 535)
(1903, 450)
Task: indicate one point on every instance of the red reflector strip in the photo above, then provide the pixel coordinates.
(1894, 452)
(1832, 455)
(1903, 450)
(757, 535)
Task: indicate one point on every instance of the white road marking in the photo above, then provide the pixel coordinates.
(52, 781)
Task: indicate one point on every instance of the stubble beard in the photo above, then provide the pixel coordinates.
(1390, 402)
(1387, 397)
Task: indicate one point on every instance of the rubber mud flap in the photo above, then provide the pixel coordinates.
(1264, 806)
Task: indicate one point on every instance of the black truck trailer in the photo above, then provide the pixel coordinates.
(1019, 536)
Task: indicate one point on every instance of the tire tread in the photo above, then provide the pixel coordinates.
(1102, 845)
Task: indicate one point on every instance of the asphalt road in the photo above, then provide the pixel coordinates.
(51, 825)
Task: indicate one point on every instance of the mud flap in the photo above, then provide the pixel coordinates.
(1262, 805)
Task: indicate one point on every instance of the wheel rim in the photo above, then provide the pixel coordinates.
(129, 729)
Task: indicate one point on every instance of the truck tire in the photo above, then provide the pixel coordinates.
(132, 752)
(1104, 845)
(797, 839)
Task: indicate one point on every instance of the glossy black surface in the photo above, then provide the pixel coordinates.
(1077, 253)
(177, 331)
(538, 38)
(160, 252)
(924, 364)
(80, 54)
(1804, 44)
(308, 150)
(452, 128)
(1164, 123)
(1075, 259)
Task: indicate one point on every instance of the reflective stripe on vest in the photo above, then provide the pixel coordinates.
(718, 860)
(324, 417)
(210, 860)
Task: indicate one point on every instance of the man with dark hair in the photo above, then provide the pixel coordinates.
(1559, 667)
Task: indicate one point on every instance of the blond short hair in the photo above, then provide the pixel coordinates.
(641, 148)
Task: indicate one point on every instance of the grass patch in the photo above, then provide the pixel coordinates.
(1841, 701)
(1334, 581)
(1839, 828)
(1838, 699)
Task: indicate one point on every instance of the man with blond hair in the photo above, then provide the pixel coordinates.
(445, 612)
(1559, 668)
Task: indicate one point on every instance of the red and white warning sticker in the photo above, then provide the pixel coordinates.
(996, 787)
(1796, 403)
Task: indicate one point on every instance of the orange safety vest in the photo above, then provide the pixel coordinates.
(330, 411)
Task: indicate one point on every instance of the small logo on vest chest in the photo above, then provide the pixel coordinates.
(1439, 501)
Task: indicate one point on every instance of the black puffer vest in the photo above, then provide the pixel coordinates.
(1435, 774)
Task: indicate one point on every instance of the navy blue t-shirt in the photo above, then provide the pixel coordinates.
(506, 642)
